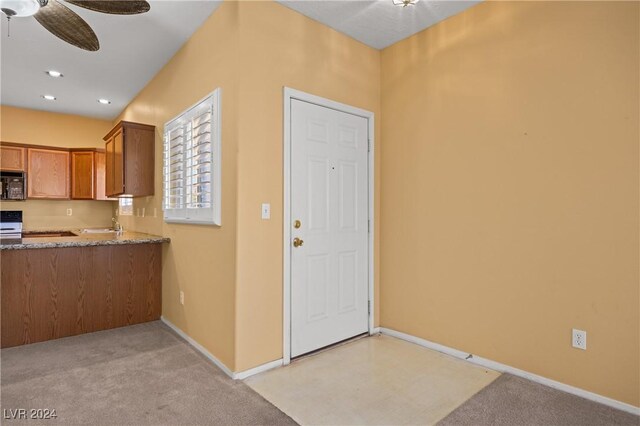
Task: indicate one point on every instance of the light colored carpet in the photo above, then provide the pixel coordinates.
(513, 401)
(139, 375)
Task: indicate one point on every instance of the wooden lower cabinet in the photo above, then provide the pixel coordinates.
(59, 292)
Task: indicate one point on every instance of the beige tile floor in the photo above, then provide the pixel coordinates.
(376, 380)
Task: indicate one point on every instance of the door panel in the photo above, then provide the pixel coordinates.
(12, 158)
(48, 173)
(82, 173)
(109, 156)
(329, 196)
(118, 163)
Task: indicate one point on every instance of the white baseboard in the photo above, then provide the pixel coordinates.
(199, 347)
(493, 365)
(241, 375)
(375, 330)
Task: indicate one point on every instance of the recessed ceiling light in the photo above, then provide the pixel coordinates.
(405, 3)
(49, 97)
(53, 73)
(104, 101)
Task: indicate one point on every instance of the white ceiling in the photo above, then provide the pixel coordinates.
(378, 23)
(133, 49)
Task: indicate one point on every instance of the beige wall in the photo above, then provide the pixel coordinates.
(510, 188)
(47, 128)
(200, 260)
(507, 137)
(232, 275)
(280, 48)
(69, 131)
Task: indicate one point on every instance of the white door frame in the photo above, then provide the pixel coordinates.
(290, 94)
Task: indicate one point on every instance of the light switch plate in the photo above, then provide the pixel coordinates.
(266, 211)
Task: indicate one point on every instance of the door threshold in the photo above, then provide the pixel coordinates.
(331, 346)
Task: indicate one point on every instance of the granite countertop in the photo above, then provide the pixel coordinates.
(81, 240)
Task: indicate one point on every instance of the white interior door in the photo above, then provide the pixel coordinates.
(329, 218)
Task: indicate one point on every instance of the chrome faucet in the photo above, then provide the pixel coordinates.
(116, 226)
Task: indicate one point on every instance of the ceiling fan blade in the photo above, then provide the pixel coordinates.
(65, 24)
(116, 7)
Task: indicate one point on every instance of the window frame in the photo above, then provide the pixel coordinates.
(197, 216)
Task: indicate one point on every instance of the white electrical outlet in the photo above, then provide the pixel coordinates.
(69, 212)
(181, 297)
(579, 339)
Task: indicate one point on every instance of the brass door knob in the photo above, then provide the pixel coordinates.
(297, 242)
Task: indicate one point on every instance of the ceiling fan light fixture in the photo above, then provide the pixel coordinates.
(19, 8)
(49, 97)
(104, 101)
(405, 3)
(55, 74)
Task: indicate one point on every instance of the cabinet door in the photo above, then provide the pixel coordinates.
(118, 163)
(109, 154)
(12, 158)
(47, 173)
(82, 173)
(100, 182)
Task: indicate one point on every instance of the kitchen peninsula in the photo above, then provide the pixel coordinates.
(55, 287)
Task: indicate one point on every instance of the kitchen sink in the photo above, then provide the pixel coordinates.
(49, 234)
(98, 231)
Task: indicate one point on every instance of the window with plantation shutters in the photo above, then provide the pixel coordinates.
(191, 171)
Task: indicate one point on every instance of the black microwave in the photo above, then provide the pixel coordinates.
(13, 185)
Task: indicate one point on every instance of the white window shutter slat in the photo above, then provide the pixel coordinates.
(191, 173)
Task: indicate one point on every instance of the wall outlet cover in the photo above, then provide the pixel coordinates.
(579, 339)
(266, 211)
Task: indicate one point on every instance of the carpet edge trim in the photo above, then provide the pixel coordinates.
(503, 368)
(241, 375)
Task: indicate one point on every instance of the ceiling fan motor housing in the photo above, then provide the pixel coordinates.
(21, 8)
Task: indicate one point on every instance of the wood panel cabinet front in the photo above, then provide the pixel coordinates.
(48, 174)
(118, 163)
(130, 159)
(58, 292)
(100, 177)
(12, 158)
(109, 154)
(83, 175)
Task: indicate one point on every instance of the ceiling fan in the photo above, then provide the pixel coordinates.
(64, 23)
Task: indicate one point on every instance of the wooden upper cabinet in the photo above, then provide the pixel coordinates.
(109, 159)
(83, 173)
(100, 176)
(12, 158)
(118, 162)
(48, 173)
(130, 159)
